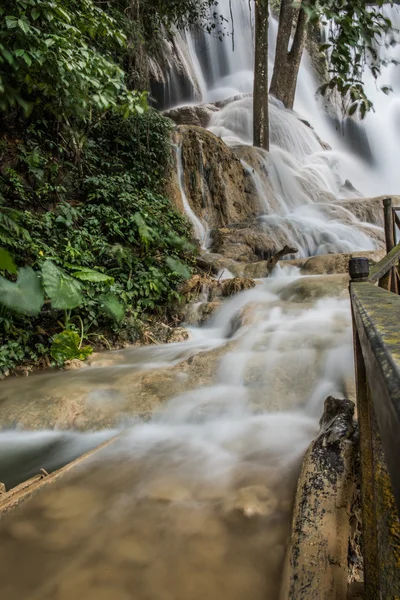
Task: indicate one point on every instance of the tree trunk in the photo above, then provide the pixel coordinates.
(287, 61)
(260, 98)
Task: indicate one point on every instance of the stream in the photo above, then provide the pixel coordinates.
(196, 502)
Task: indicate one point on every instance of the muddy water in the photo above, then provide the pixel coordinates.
(195, 503)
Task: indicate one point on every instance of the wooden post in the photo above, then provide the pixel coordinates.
(359, 269)
(388, 221)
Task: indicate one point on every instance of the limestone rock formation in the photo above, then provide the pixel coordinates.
(369, 210)
(198, 115)
(309, 288)
(247, 242)
(214, 179)
(328, 264)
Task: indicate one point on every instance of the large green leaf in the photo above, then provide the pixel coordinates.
(65, 346)
(86, 274)
(64, 291)
(112, 306)
(178, 267)
(25, 296)
(7, 262)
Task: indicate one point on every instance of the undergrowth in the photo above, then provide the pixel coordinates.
(99, 216)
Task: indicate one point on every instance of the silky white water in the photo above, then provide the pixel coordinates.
(198, 500)
(300, 171)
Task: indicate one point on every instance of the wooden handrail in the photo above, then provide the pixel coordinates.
(384, 265)
(376, 317)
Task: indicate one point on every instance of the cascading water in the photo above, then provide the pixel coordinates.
(197, 502)
(301, 172)
(200, 230)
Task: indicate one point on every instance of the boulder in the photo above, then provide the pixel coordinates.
(327, 264)
(247, 242)
(198, 115)
(307, 289)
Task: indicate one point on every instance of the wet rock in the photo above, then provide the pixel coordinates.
(74, 364)
(161, 333)
(318, 552)
(197, 115)
(369, 210)
(213, 262)
(251, 501)
(170, 71)
(327, 264)
(198, 314)
(214, 179)
(247, 242)
(178, 334)
(235, 285)
(313, 288)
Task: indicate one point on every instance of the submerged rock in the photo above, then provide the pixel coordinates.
(252, 501)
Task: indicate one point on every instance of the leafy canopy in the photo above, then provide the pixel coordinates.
(356, 30)
(58, 54)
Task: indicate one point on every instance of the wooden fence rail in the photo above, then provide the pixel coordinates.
(376, 330)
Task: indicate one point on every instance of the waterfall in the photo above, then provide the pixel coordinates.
(200, 231)
(302, 170)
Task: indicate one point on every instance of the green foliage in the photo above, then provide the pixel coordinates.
(25, 296)
(58, 56)
(356, 29)
(115, 252)
(113, 307)
(7, 262)
(66, 346)
(63, 290)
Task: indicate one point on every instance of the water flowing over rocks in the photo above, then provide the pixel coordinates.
(196, 495)
(214, 179)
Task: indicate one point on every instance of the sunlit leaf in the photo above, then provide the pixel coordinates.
(65, 346)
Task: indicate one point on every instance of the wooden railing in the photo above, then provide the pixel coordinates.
(376, 329)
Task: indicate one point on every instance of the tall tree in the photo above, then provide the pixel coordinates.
(292, 34)
(356, 30)
(260, 98)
